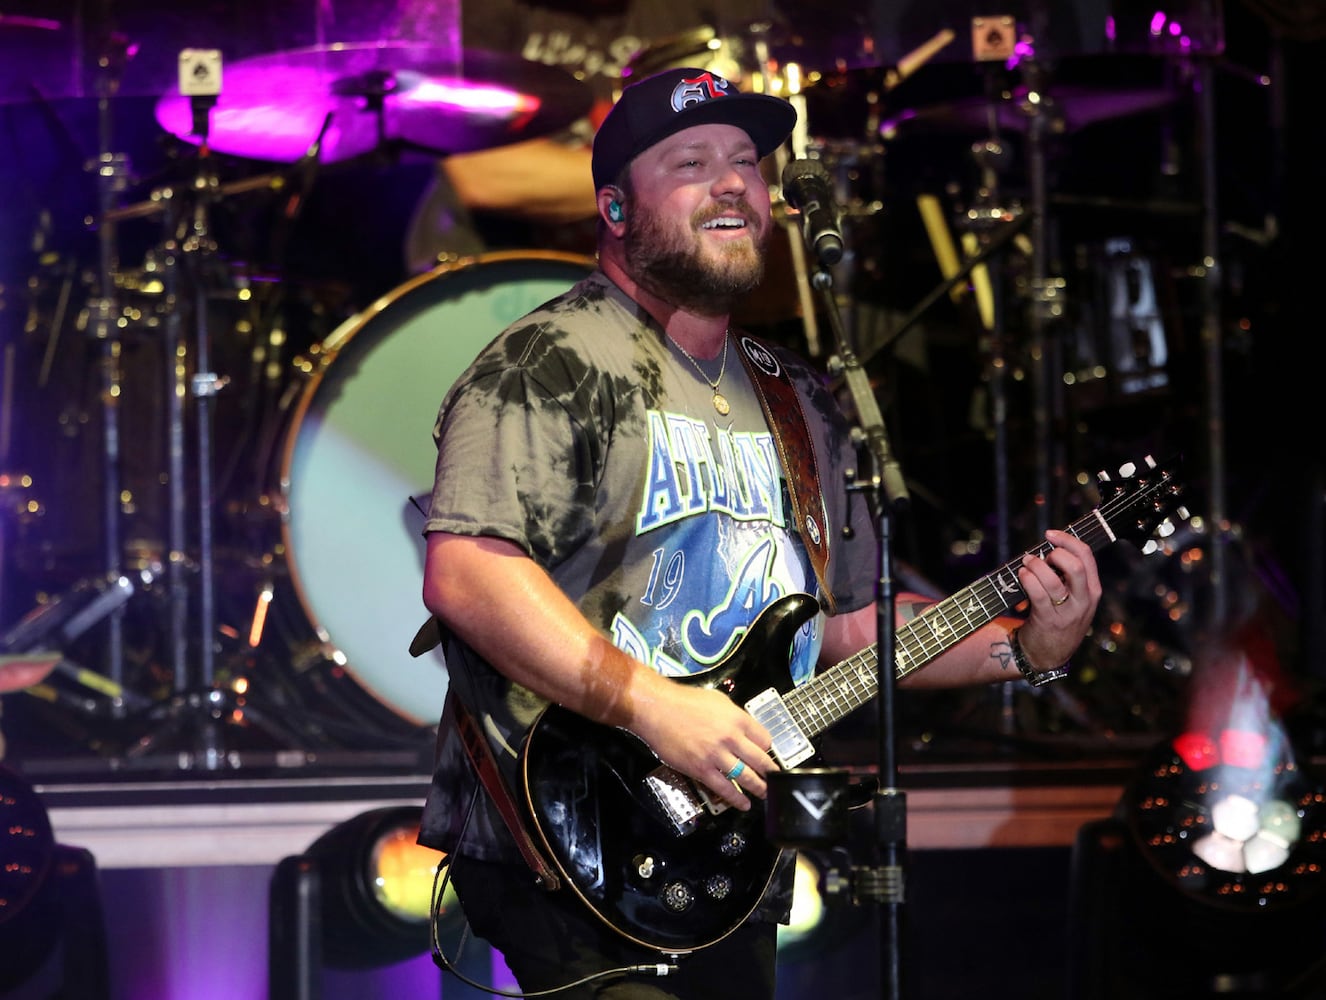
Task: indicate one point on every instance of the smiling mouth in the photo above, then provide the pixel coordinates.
(725, 223)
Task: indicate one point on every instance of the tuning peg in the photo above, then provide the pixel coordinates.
(1128, 470)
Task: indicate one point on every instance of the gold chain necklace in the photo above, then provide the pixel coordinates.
(720, 401)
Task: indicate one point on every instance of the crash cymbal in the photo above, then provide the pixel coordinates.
(1063, 109)
(22, 21)
(273, 107)
(1076, 93)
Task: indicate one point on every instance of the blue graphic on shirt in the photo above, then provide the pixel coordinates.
(724, 553)
(685, 477)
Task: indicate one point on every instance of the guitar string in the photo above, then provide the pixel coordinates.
(1088, 528)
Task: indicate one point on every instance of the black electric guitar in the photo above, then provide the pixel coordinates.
(639, 843)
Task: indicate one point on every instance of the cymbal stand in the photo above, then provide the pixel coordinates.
(206, 384)
(176, 389)
(1046, 303)
(112, 170)
(48, 627)
(986, 213)
(189, 247)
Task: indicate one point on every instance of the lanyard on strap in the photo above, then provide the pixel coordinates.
(787, 422)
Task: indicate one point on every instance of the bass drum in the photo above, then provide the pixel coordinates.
(357, 470)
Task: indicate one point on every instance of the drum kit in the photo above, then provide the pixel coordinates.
(275, 458)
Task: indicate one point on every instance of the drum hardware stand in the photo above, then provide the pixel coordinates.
(41, 633)
(1047, 306)
(112, 170)
(66, 616)
(986, 212)
(198, 703)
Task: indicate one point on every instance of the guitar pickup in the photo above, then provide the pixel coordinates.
(790, 745)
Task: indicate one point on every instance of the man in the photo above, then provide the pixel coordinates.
(609, 509)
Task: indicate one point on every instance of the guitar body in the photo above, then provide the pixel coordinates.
(636, 841)
(593, 794)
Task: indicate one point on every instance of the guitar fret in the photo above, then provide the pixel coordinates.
(826, 698)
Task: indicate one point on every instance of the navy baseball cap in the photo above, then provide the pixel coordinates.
(667, 102)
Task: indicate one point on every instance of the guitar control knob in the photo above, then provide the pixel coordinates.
(732, 843)
(718, 886)
(678, 897)
(644, 865)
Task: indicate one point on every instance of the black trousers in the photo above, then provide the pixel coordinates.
(550, 939)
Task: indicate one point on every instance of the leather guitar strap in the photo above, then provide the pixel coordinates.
(787, 422)
(485, 766)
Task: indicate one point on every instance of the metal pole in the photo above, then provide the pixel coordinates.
(111, 171)
(1212, 341)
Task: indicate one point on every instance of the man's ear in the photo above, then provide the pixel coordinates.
(612, 207)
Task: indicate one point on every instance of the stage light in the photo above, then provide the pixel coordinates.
(824, 916)
(807, 908)
(403, 872)
(1247, 835)
(27, 855)
(358, 898)
(376, 885)
(52, 932)
(1211, 878)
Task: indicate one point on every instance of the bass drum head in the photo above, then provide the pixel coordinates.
(357, 466)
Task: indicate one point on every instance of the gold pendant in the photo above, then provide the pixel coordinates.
(721, 404)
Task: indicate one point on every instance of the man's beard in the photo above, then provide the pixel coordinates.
(671, 262)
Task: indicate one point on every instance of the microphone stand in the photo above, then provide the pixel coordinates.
(886, 493)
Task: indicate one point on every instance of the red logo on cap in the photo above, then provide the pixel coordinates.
(702, 88)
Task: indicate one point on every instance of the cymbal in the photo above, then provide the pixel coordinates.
(274, 107)
(1064, 109)
(160, 200)
(1078, 92)
(22, 21)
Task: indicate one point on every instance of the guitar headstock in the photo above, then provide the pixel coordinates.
(1142, 503)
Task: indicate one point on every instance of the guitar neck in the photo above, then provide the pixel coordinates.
(827, 698)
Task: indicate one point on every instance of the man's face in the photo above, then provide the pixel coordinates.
(698, 218)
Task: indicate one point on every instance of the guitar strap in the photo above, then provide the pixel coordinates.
(787, 422)
(485, 766)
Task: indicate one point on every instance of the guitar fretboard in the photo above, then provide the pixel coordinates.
(821, 702)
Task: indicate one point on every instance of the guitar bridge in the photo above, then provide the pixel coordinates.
(676, 799)
(790, 745)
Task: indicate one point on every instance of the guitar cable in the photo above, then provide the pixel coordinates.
(442, 878)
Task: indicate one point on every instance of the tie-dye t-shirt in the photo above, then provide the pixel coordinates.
(583, 435)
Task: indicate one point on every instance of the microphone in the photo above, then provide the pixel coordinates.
(806, 188)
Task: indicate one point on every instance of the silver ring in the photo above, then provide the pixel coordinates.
(736, 770)
(1063, 600)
